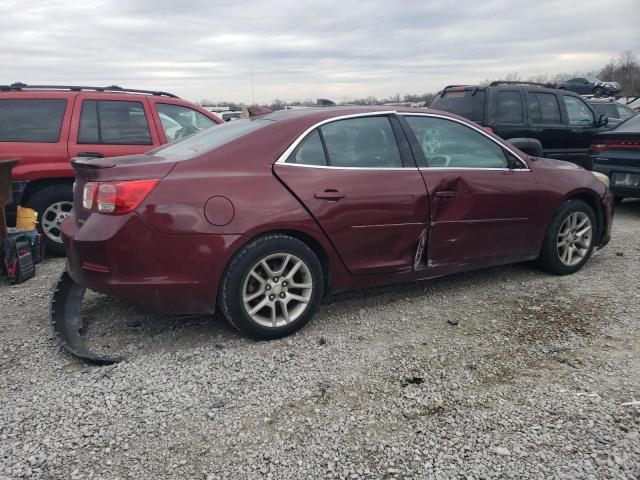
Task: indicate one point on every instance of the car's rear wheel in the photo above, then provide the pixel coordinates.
(598, 91)
(570, 238)
(53, 205)
(272, 287)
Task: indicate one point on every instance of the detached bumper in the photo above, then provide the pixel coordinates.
(608, 206)
(124, 257)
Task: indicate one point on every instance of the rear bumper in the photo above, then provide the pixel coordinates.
(124, 257)
(602, 164)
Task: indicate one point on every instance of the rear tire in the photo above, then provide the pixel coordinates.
(272, 287)
(569, 240)
(598, 91)
(53, 205)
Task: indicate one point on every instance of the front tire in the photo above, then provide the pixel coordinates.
(569, 240)
(53, 205)
(272, 287)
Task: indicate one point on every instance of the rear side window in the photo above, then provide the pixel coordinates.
(113, 122)
(543, 108)
(309, 152)
(466, 103)
(579, 113)
(31, 120)
(366, 142)
(509, 107)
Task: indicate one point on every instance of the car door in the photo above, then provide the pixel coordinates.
(582, 126)
(107, 127)
(546, 125)
(363, 189)
(482, 196)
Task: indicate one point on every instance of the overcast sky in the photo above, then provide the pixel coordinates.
(302, 49)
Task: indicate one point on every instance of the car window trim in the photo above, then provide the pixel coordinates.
(482, 131)
(282, 159)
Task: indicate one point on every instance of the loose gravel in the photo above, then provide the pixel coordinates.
(501, 373)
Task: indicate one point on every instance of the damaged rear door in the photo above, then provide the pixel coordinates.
(483, 198)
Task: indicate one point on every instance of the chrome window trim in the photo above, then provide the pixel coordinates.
(480, 130)
(427, 169)
(282, 159)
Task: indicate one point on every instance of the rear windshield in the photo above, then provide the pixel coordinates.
(630, 125)
(31, 120)
(210, 139)
(467, 103)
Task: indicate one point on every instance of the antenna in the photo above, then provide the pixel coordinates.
(253, 95)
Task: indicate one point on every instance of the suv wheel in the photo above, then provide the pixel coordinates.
(53, 205)
(272, 287)
(570, 239)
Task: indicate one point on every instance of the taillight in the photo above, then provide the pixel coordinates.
(89, 194)
(489, 129)
(116, 198)
(607, 144)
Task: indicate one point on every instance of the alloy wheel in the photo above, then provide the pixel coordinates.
(277, 290)
(574, 238)
(53, 217)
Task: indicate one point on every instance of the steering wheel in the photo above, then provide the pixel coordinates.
(431, 140)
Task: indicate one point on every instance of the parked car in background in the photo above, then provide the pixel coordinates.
(589, 86)
(616, 154)
(538, 120)
(324, 200)
(615, 112)
(45, 126)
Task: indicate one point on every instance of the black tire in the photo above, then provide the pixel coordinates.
(40, 202)
(549, 259)
(598, 91)
(230, 296)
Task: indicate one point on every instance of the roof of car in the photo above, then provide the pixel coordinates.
(317, 114)
(21, 87)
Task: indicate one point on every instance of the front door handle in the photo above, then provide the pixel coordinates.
(91, 154)
(330, 194)
(447, 194)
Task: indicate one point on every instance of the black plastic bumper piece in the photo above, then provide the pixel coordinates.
(65, 316)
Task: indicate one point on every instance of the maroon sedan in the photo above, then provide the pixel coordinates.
(264, 217)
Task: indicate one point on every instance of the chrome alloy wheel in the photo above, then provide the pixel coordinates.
(574, 238)
(277, 290)
(53, 217)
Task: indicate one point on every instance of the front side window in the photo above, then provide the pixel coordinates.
(509, 107)
(446, 143)
(366, 142)
(113, 122)
(543, 108)
(178, 122)
(309, 152)
(31, 120)
(579, 113)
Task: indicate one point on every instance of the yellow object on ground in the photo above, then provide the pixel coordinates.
(27, 219)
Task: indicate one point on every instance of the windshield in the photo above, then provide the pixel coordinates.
(210, 139)
(467, 103)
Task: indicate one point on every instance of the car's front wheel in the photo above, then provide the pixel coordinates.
(272, 287)
(570, 238)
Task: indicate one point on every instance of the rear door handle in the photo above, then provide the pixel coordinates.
(330, 194)
(90, 154)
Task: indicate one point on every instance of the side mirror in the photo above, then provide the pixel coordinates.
(603, 121)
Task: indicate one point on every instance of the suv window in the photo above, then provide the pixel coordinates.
(578, 111)
(178, 122)
(543, 108)
(446, 143)
(113, 122)
(31, 120)
(366, 142)
(309, 152)
(509, 107)
(466, 103)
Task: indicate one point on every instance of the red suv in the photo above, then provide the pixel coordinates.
(45, 126)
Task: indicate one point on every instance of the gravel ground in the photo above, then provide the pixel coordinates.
(507, 372)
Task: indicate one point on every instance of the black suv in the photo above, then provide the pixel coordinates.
(539, 120)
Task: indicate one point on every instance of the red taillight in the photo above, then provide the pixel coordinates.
(489, 129)
(116, 198)
(607, 144)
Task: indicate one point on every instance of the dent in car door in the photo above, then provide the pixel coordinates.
(354, 183)
(481, 209)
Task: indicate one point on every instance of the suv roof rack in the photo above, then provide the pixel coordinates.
(509, 82)
(18, 86)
